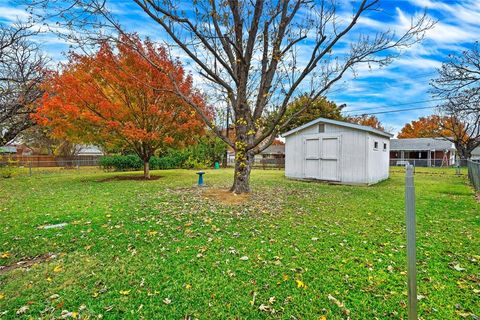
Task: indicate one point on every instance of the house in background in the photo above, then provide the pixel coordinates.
(476, 153)
(16, 149)
(337, 151)
(273, 155)
(423, 152)
(89, 150)
(274, 151)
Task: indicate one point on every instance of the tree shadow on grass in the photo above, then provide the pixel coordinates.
(128, 177)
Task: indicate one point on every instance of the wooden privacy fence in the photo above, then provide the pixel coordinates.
(474, 173)
(50, 161)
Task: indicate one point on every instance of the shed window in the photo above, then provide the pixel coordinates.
(384, 146)
(375, 145)
(321, 128)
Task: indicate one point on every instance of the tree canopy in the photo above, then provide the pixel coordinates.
(22, 69)
(318, 108)
(367, 120)
(458, 82)
(432, 126)
(116, 98)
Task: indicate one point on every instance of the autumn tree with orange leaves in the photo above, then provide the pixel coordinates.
(426, 127)
(448, 127)
(365, 120)
(117, 98)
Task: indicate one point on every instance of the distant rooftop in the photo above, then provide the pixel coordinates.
(90, 150)
(274, 149)
(421, 144)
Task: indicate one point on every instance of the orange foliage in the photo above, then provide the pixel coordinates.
(365, 120)
(426, 127)
(122, 97)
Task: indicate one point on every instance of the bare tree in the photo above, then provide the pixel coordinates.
(21, 71)
(459, 83)
(461, 125)
(257, 55)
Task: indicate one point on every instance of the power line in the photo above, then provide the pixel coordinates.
(392, 111)
(397, 105)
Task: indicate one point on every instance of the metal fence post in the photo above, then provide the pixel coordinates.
(411, 245)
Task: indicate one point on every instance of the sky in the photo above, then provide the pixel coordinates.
(404, 84)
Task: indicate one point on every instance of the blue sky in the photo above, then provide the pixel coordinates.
(402, 85)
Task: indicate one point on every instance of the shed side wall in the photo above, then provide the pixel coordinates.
(378, 159)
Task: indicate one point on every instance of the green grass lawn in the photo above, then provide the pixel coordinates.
(295, 250)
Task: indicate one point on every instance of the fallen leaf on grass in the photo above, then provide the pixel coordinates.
(67, 314)
(458, 268)
(6, 255)
(188, 286)
(54, 297)
(300, 284)
(22, 310)
(339, 304)
(2, 296)
(244, 258)
(152, 232)
(57, 269)
(167, 301)
(124, 292)
(252, 302)
(264, 308)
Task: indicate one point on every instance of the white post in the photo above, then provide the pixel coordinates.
(411, 245)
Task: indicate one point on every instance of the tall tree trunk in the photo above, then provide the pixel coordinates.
(146, 169)
(243, 158)
(243, 167)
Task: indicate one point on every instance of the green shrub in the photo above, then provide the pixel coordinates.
(121, 163)
(199, 156)
(9, 169)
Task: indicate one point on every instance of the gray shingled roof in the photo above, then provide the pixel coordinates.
(274, 149)
(421, 144)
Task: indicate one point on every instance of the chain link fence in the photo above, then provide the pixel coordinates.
(474, 173)
(33, 165)
(423, 163)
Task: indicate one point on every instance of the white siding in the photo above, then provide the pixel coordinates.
(359, 163)
(378, 159)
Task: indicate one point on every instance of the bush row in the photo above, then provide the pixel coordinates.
(202, 155)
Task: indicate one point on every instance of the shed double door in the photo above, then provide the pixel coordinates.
(322, 158)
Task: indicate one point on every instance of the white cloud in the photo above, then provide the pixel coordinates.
(12, 14)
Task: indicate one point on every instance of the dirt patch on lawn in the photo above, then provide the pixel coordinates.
(28, 262)
(121, 178)
(225, 196)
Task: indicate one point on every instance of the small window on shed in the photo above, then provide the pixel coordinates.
(321, 128)
(384, 146)
(375, 145)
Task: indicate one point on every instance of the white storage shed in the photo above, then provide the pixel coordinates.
(337, 151)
